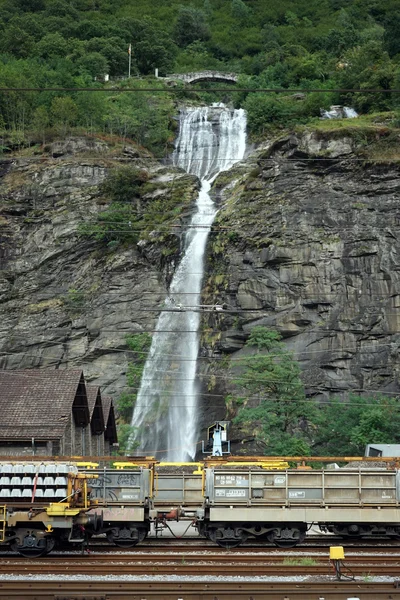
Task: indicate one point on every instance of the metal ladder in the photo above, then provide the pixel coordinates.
(3, 523)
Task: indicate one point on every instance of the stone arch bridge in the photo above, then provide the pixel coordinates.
(204, 76)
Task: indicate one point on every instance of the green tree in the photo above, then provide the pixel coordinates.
(91, 110)
(207, 8)
(392, 38)
(113, 50)
(264, 112)
(240, 10)
(274, 409)
(30, 5)
(60, 8)
(51, 45)
(64, 112)
(368, 66)
(191, 25)
(94, 63)
(41, 121)
(347, 426)
(124, 184)
(32, 24)
(152, 45)
(17, 42)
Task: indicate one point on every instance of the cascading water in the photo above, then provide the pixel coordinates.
(211, 139)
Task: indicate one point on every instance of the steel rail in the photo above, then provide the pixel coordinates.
(139, 590)
(192, 557)
(197, 565)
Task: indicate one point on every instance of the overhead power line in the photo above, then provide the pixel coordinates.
(259, 398)
(208, 90)
(44, 345)
(281, 159)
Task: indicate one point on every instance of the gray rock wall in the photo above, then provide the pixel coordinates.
(306, 241)
(309, 245)
(66, 300)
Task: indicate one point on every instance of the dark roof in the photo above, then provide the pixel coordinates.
(106, 407)
(97, 420)
(92, 395)
(38, 403)
(109, 420)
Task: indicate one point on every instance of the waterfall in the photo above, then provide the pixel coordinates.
(210, 140)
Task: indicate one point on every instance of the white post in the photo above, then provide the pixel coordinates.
(156, 73)
(129, 60)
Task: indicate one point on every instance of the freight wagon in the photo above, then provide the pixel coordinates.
(279, 506)
(124, 498)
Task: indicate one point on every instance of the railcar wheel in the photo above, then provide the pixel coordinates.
(287, 537)
(32, 546)
(227, 537)
(126, 537)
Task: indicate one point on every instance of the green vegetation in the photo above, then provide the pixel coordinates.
(350, 425)
(276, 412)
(275, 409)
(125, 433)
(291, 44)
(139, 345)
(119, 222)
(133, 212)
(305, 561)
(74, 300)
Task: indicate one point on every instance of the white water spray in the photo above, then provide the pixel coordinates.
(165, 416)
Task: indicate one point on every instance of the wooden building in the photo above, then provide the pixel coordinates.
(53, 412)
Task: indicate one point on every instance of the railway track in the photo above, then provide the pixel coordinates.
(311, 542)
(203, 546)
(194, 564)
(136, 590)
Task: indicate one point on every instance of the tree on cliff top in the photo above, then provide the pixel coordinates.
(275, 409)
(348, 426)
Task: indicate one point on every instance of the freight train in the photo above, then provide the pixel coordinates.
(44, 504)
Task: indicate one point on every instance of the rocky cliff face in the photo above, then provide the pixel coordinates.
(307, 241)
(66, 300)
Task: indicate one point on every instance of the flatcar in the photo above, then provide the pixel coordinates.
(43, 503)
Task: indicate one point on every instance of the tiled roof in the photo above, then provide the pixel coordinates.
(92, 391)
(37, 403)
(95, 409)
(107, 400)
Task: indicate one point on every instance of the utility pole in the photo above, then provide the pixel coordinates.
(129, 60)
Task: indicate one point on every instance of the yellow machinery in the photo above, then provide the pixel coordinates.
(2, 523)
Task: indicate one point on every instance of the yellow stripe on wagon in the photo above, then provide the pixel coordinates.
(61, 509)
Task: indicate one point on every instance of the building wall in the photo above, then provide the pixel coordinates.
(14, 448)
(97, 445)
(74, 442)
(68, 439)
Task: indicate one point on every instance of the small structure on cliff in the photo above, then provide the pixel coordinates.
(53, 412)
